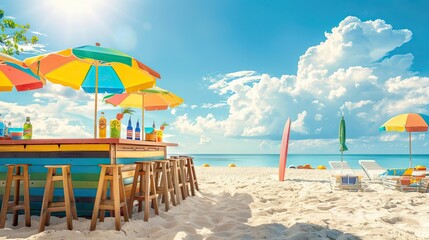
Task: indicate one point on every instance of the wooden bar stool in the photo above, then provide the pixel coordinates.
(191, 177)
(145, 179)
(110, 173)
(16, 173)
(164, 185)
(68, 205)
(182, 177)
(178, 179)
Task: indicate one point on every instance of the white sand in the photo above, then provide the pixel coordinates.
(250, 203)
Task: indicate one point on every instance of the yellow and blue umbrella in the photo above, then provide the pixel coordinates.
(409, 122)
(94, 69)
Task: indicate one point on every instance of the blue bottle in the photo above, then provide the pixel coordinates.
(129, 130)
(1, 126)
(137, 131)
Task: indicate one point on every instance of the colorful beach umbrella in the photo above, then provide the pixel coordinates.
(409, 122)
(342, 138)
(94, 69)
(14, 74)
(150, 99)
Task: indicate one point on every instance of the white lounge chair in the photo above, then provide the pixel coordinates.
(344, 177)
(372, 169)
(341, 168)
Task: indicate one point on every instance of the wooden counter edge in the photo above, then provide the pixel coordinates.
(86, 141)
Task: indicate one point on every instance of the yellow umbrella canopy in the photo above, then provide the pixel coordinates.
(94, 69)
(150, 99)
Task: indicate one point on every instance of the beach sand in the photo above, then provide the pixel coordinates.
(250, 203)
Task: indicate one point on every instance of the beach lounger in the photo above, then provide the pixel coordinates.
(406, 184)
(372, 169)
(402, 179)
(341, 168)
(344, 177)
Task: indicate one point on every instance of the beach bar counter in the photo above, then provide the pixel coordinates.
(84, 156)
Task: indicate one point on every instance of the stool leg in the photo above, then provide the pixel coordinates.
(176, 182)
(27, 197)
(194, 175)
(171, 186)
(46, 195)
(123, 198)
(165, 188)
(153, 192)
(6, 196)
(67, 199)
(104, 197)
(97, 200)
(116, 199)
(51, 196)
(146, 187)
(182, 178)
(133, 189)
(141, 182)
(16, 196)
(72, 199)
(191, 178)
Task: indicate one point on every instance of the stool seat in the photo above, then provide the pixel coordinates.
(49, 206)
(16, 173)
(110, 173)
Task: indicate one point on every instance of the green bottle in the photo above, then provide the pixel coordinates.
(28, 129)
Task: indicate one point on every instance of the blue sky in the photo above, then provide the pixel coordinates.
(243, 68)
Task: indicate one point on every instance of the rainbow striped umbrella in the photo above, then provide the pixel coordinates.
(94, 69)
(409, 122)
(14, 74)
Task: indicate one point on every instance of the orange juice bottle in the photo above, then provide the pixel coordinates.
(102, 126)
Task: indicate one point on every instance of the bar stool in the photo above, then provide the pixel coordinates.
(144, 177)
(16, 173)
(178, 182)
(68, 205)
(112, 173)
(164, 185)
(191, 176)
(182, 177)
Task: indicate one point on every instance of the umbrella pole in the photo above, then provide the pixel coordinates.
(143, 111)
(96, 99)
(411, 161)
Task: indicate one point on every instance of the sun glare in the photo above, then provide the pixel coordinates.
(76, 14)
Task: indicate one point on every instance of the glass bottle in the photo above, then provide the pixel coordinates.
(129, 129)
(102, 124)
(137, 131)
(28, 129)
(1, 126)
(7, 129)
(153, 126)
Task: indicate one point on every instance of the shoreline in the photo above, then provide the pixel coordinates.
(250, 203)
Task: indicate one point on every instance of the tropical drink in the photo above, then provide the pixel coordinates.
(115, 128)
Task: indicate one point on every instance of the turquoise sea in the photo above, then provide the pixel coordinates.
(272, 160)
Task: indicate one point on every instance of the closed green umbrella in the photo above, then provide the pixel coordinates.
(342, 136)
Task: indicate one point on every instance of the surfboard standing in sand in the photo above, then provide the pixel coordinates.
(283, 150)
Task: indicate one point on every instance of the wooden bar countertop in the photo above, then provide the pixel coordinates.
(86, 141)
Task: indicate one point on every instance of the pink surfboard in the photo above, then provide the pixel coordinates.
(283, 150)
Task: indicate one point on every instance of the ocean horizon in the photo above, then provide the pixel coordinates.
(272, 160)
